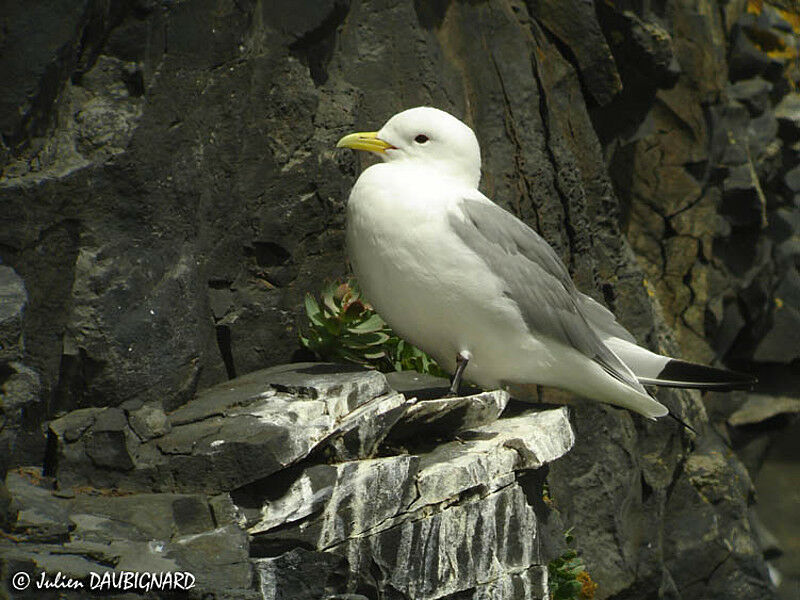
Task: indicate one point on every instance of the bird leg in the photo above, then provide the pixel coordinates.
(462, 358)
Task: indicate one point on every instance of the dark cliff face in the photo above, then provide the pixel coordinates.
(170, 191)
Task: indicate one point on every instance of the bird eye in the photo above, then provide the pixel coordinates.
(421, 139)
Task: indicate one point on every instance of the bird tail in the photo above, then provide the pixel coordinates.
(654, 369)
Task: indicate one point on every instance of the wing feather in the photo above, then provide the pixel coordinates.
(537, 280)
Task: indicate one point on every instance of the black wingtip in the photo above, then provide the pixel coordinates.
(682, 422)
(684, 374)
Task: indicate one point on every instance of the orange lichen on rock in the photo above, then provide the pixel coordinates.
(792, 16)
(588, 587)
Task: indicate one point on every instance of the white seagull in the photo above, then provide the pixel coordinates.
(470, 284)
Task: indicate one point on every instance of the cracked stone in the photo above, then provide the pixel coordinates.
(788, 114)
(747, 60)
(753, 93)
(231, 434)
(299, 574)
(382, 510)
(367, 426)
(760, 407)
(575, 23)
(219, 558)
(137, 532)
(448, 416)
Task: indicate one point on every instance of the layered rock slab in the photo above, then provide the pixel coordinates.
(313, 469)
(451, 520)
(229, 435)
(88, 533)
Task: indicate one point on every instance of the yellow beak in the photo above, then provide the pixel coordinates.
(367, 140)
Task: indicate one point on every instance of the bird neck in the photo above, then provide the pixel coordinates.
(461, 175)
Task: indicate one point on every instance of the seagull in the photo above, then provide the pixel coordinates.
(476, 288)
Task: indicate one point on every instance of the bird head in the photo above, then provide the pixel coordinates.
(426, 136)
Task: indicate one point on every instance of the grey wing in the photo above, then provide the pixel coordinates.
(603, 320)
(536, 279)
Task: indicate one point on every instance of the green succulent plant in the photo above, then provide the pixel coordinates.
(341, 325)
(568, 578)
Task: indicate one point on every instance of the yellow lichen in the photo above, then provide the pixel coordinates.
(650, 291)
(754, 6)
(773, 44)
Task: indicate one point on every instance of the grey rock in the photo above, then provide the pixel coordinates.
(106, 443)
(73, 425)
(145, 516)
(729, 142)
(753, 93)
(640, 45)
(779, 344)
(762, 139)
(575, 24)
(36, 74)
(787, 253)
(489, 453)
(342, 498)
(338, 388)
(13, 298)
(730, 327)
(410, 556)
(748, 61)
(21, 407)
(366, 427)
(743, 200)
(423, 386)
(449, 416)
(770, 545)
(770, 18)
(149, 422)
(788, 114)
(483, 457)
(788, 292)
(298, 574)
(40, 517)
(8, 512)
(792, 179)
(382, 511)
(303, 20)
(219, 558)
(784, 223)
(231, 434)
(139, 532)
(225, 512)
(760, 407)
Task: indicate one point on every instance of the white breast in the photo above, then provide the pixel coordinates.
(429, 286)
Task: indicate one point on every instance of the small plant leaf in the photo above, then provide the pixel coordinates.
(342, 326)
(313, 311)
(373, 323)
